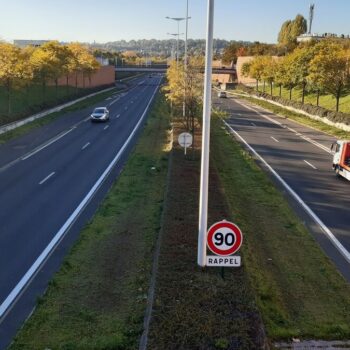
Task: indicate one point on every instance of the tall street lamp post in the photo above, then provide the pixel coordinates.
(178, 20)
(203, 200)
(176, 35)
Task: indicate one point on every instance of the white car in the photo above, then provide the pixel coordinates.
(100, 114)
(222, 94)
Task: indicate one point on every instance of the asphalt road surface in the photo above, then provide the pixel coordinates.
(299, 160)
(51, 182)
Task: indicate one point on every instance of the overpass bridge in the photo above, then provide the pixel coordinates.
(162, 69)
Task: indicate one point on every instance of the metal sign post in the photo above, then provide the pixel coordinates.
(203, 200)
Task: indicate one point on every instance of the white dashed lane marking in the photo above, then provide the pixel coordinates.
(46, 178)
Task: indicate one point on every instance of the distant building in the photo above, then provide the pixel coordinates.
(103, 61)
(316, 37)
(34, 43)
(308, 37)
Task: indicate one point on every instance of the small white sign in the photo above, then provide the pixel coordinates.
(224, 260)
(185, 139)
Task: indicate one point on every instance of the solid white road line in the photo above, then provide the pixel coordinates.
(286, 127)
(8, 302)
(274, 139)
(318, 221)
(86, 145)
(252, 124)
(312, 166)
(46, 178)
(106, 127)
(47, 144)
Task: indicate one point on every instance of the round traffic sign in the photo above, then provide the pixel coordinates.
(224, 238)
(185, 139)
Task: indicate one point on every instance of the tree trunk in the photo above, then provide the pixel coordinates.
(264, 86)
(338, 98)
(27, 93)
(318, 98)
(303, 94)
(8, 86)
(56, 84)
(257, 85)
(290, 93)
(44, 90)
(67, 85)
(280, 90)
(83, 80)
(76, 82)
(271, 89)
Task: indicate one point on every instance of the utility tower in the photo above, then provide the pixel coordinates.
(311, 16)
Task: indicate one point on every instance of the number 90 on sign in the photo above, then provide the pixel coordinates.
(224, 238)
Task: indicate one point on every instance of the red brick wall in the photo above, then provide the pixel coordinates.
(241, 79)
(104, 76)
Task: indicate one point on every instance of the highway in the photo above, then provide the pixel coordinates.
(299, 161)
(51, 182)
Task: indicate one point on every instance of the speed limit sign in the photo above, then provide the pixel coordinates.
(224, 238)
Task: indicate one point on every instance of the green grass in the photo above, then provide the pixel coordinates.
(298, 290)
(97, 299)
(53, 116)
(300, 118)
(326, 101)
(30, 100)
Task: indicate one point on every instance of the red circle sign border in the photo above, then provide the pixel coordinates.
(234, 228)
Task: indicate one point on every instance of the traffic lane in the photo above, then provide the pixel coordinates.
(279, 137)
(284, 138)
(309, 156)
(19, 146)
(24, 305)
(251, 118)
(308, 132)
(37, 220)
(326, 196)
(78, 137)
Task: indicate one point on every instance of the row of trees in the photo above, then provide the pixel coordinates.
(19, 68)
(318, 67)
(185, 89)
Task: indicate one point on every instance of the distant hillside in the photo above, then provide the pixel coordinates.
(164, 47)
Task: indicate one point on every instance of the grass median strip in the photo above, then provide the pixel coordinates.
(97, 299)
(298, 290)
(196, 308)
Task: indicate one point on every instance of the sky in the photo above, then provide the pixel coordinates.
(110, 20)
